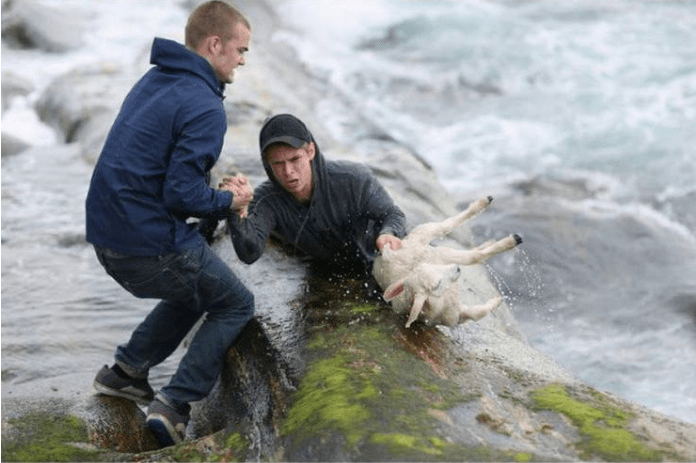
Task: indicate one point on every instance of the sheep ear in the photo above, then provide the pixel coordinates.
(394, 290)
(418, 302)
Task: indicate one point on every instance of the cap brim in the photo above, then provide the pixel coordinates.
(286, 139)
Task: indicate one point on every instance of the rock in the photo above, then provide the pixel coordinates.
(33, 24)
(108, 422)
(83, 104)
(12, 145)
(252, 395)
(12, 86)
(266, 362)
(372, 390)
(44, 431)
(118, 424)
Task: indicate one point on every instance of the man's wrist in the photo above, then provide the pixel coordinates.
(231, 195)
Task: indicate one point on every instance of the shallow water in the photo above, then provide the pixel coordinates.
(60, 311)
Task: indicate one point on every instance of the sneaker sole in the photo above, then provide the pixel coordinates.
(164, 432)
(105, 390)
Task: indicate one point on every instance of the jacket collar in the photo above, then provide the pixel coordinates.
(172, 55)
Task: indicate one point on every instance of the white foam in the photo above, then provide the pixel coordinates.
(20, 120)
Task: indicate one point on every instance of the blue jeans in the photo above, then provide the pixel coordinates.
(190, 284)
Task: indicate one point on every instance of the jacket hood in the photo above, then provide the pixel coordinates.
(318, 163)
(172, 55)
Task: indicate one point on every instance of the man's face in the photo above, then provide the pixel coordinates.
(228, 55)
(292, 168)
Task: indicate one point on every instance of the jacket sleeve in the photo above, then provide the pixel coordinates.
(196, 149)
(380, 207)
(250, 235)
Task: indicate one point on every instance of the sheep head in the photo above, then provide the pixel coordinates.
(430, 284)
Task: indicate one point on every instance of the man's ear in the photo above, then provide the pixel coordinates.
(311, 150)
(210, 47)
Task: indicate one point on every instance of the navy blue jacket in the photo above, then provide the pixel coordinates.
(348, 210)
(153, 172)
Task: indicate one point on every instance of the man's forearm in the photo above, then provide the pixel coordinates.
(248, 239)
(394, 223)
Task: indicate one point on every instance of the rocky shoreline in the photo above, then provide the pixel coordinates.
(325, 372)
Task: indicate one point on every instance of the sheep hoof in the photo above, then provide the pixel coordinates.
(518, 239)
(490, 199)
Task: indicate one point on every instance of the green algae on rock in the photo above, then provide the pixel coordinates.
(602, 425)
(41, 436)
(221, 446)
(368, 390)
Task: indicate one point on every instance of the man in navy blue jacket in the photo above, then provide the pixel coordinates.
(151, 177)
(336, 212)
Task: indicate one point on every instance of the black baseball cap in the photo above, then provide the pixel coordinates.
(284, 128)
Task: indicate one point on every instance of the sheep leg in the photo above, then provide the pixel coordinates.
(447, 255)
(427, 232)
(477, 312)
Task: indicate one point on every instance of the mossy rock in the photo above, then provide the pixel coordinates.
(47, 436)
(220, 446)
(43, 436)
(602, 423)
(375, 391)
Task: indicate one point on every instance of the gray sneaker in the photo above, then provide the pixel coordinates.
(108, 382)
(167, 423)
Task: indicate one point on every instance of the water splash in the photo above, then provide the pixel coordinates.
(529, 294)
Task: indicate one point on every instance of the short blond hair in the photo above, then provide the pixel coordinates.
(212, 18)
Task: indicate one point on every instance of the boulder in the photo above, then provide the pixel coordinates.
(33, 24)
(13, 86)
(118, 424)
(12, 145)
(83, 103)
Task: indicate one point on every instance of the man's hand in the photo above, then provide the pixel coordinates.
(391, 240)
(241, 189)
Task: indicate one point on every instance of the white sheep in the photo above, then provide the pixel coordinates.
(423, 279)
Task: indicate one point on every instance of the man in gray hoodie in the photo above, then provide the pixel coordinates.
(336, 212)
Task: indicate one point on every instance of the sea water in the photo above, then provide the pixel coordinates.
(577, 116)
